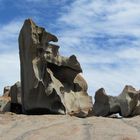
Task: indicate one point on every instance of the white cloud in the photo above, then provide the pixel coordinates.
(120, 17)
(111, 70)
(104, 34)
(130, 53)
(9, 69)
(112, 61)
(9, 59)
(112, 80)
(9, 36)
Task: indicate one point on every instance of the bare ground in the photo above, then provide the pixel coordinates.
(63, 127)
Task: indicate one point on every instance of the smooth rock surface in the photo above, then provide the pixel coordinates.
(63, 127)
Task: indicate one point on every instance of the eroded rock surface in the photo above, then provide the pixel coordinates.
(6, 91)
(126, 104)
(11, 99)
(15, 94)
(5, 104)
(49, 81)
(5, 100)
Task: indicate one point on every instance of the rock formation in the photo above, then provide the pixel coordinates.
(5, 100)
(50, 82)
(5, 104)
(127, 104)
(6, 91)
(11, 99)
(15, 94)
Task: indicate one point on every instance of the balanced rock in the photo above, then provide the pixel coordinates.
(126, 104)
(50, 82)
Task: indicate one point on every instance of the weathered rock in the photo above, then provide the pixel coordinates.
(5, 100)
(6, 91)
(50, 82)
(101, 105)
(128, 100)
(5, 104)
(126, 104)
(136, 111)
(15, 94)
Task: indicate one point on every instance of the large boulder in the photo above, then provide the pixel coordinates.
(126, 104)
(50, 82)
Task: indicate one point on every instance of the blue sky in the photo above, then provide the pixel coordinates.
(103, 34)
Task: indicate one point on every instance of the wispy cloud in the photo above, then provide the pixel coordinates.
(9, 59)
(9, 36)
(101, 18)
(105, 35)
(47, 1)
(9, 69)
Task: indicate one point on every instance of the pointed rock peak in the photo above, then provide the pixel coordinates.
(129, 89)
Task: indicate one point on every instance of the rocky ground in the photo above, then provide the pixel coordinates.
(63, 127)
